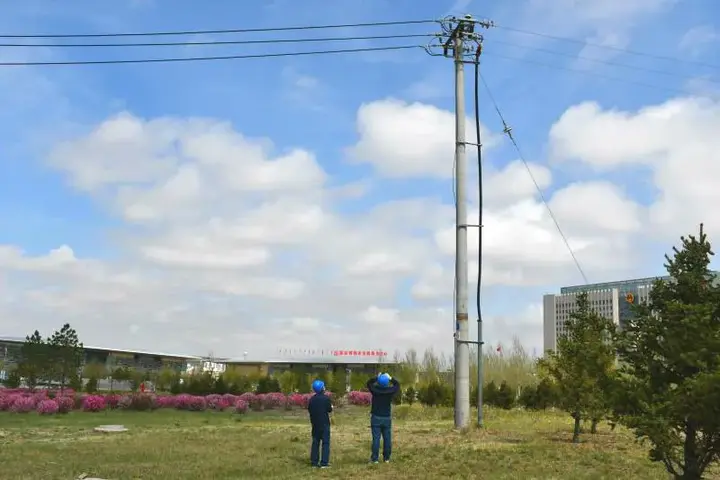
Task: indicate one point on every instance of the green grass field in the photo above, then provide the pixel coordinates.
(169, 444)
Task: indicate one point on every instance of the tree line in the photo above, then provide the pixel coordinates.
(659, 374)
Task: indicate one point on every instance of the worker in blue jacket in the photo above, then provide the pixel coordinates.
(320, 408)
(383, 388)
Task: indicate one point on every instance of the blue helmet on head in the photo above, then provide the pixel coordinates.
(383, 379)
(318, 386)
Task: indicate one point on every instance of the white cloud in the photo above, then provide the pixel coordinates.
(381, 316)
(305, 323)
(526, 325)
(676, 141)
(597, 206)
(404, 139)
(514, 183)
(231, 243)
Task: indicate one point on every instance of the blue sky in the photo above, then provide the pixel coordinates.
(312, 103)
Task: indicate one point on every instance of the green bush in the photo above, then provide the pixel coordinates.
(548, 394)
(490, 393)
(436, 394)
(409, 395)
(542, 396)
(505, 397)
(267, 384)
(502, 396)
(75, 383)
(528, 397)
(220, 387)
(175, 386)
(358, 381)
(338, 385)
(199, 384)
(13, 379)
(92, 385)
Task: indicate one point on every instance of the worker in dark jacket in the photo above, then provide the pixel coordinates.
(320, 407)
(383, 388)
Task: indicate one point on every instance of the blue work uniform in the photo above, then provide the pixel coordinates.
(319, 408)
(381, 417)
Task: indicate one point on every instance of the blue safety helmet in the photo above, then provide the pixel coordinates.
(383, 379)
(318, 386)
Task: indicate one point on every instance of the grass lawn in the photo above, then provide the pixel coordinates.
(169, 444)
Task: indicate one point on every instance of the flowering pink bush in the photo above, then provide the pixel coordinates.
(93, 403)
(192, 403)
(112, 400)
(273, 400)
(47, 407)
(125, 402)
(39, 396)
(141, 402)
(299, 399)
(218, 402)
(5, 402)
(65, 404)
(359, 398)
(167, 401)
(48, 402)
(241, 406)
(22, 404)
(255, 402)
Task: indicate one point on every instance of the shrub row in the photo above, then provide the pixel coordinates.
(48, 403)
(437, 394)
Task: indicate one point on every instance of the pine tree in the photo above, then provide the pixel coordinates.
(67, 356)
(670, 354)
(34, 360)
(582, 366)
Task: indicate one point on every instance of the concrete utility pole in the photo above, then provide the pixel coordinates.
(458, 31)
(462, 334)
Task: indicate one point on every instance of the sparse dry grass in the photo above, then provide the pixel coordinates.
(219, 446)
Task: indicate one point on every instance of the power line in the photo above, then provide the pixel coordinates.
(508, 131)
(595, 60)
(589, 73)
(218, 42)
(608, 47)
(325, 39)
(219, 32)
(323, 52)
(206, 59)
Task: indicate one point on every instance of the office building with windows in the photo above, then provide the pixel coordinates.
(611, 300)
